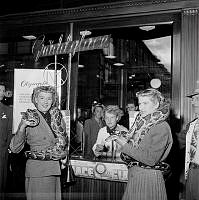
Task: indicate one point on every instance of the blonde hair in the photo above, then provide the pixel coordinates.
(155, 95)
(47, 89)
(113, 109)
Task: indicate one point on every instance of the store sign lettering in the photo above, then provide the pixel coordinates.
(110, 172)
(41, 50)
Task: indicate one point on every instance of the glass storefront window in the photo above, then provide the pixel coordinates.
(138, 58)
(18, 54)
(142, 60)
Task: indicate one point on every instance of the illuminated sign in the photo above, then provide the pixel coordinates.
(100, 170)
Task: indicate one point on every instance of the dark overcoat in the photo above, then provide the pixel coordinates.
(5, 137)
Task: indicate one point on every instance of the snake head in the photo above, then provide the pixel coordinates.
(31, 116)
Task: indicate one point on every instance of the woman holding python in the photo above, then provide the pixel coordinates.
(146, 146)
(44, 130)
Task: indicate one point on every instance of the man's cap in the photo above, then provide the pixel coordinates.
(98, 105)
(94, 103)
(196, 92)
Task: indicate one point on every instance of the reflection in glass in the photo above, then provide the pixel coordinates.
(144, 57)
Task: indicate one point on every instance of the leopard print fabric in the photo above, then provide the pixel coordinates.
(60, 146)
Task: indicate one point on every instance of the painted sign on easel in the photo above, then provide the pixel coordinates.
(25, 80)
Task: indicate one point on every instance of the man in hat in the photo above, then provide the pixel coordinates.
(91, 128)
(192, 151)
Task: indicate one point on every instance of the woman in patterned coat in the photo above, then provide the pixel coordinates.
(43, 129)
(145, 147)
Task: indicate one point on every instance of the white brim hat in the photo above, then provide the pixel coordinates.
(196, 92)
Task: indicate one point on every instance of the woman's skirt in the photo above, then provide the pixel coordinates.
(43, 188)
(145, 184)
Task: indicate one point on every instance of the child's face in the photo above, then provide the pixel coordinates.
(130, 107)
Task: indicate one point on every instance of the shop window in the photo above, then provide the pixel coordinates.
(144, 55)
(141, 58)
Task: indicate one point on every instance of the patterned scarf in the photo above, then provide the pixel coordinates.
(142, 125)
(111, 131)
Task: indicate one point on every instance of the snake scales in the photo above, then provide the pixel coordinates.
(60, 145)
(137, 132)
